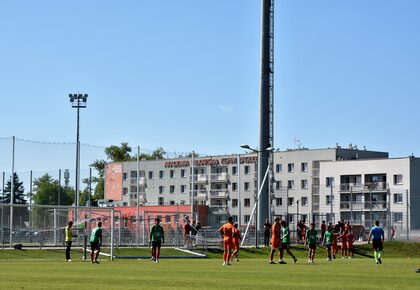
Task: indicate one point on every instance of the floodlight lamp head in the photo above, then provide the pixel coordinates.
(245, 146)
(270, 149)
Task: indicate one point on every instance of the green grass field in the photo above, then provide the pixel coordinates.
(46, 269)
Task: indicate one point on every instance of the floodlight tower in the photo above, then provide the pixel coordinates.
(78, 101)
(266, 107)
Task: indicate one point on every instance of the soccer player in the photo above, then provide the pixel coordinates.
(350, 241)
(236, 238)
(69, 237)
(275, 240)
(187, 230)
(327, 241)
(285, 242)
(334, 245)
(343, 239)
(323, 230)
(311, 240)
(95, 243)
(226, 231)
(156, 239)
(377, 235)
(267, 230)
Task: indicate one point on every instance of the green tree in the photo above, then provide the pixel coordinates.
(116, 153)
(46, 192)
(18, 191)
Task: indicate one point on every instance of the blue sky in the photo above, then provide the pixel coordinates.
(184, 74)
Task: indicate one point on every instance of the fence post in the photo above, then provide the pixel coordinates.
(112, 233)
(407, 215)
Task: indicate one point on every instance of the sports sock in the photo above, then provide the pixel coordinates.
(380, 254)
(375, 254)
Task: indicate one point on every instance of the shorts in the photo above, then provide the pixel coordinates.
(156, 244)
(312, 246)
(284, 246)
(275, 243)
(228, 244)
(236, 246)
(349, 246)
(94, 246)
(377, 245)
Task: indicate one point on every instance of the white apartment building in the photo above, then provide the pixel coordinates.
(366, 190)
(303, 183)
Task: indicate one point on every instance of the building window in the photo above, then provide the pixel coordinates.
(125, 203)
(150, 174)
(247, 169)
(234, 202)
(235, 218)
(397, 217)
(161, 174)
(329, 199)
(291, 218)
(183, 187)
(398, 198)
(172, 202)
(246, 218)
(329, 181)
(279, 184)
(279, 201)
(172, 189)
(291, 167)
(161, 189)
(125, 176)
(161, 201)
(247, 186)
(304, 183)
(172, 173)
(234, 186)
(291, 184)
(279, 168)
(304, 200)
(168, 217)
(247, 202)
(398, 179)
(183, 173)
(291, 201)
(234, 170)
(304, 167)
(125, 190)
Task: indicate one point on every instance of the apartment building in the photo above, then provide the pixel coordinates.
(228, 184)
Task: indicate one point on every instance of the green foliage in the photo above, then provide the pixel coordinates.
(18, 191)
(119, 153)
(47, 190)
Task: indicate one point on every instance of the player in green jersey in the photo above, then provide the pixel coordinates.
(95, 243)
(285, 242)
(156, 239)
(327, 241)
(311, 240)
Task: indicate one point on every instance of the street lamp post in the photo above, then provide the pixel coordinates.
(260, 185)
(78, 101)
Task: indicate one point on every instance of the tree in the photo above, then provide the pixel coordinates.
(46, 192)
(121, 153)
(18, 191)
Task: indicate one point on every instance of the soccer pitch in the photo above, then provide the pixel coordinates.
(47, 270)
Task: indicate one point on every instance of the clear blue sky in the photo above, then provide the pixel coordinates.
(184, 74)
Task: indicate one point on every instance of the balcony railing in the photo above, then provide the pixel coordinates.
(357, 206)
(219, 209)
(315, 189)
(200, 178)
(219, 177)
(219, 194)
(201, 195)
(315, 172)
(142, 180)
(370, 186)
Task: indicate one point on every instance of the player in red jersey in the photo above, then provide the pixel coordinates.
(350, 241)
(226, 231)
(236, 239)
(343, 239)
(334, 246)
(275, 239)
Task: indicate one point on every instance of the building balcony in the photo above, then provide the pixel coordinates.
(219, 177)
(219, 209)
(200, 178)
(366, 187)
(348, 187)
(200, 196)
(315, 172)
(219, 194)
(315, 189)
(142, 181)
(376, 186)
(376, 205)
